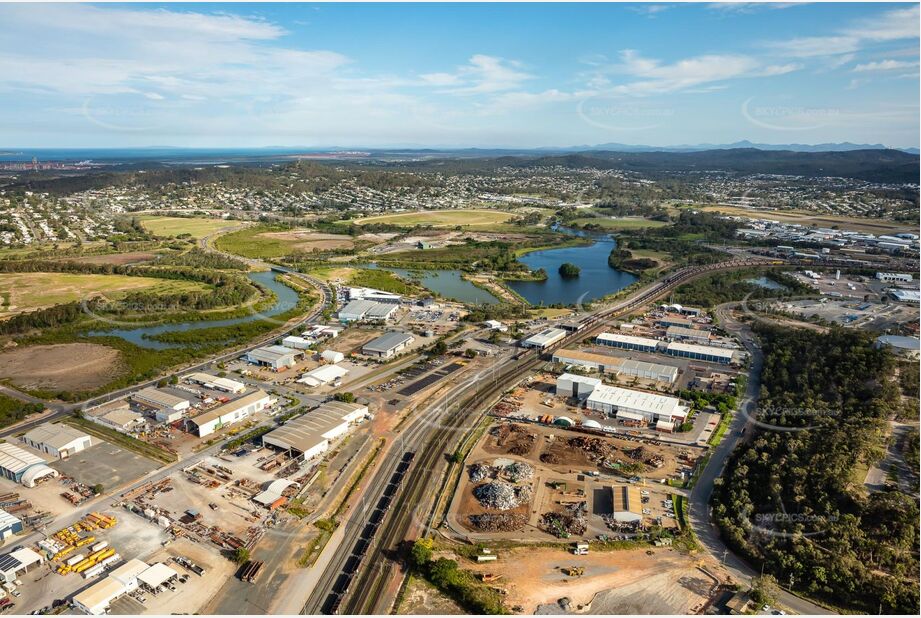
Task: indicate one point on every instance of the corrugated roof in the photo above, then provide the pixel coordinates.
(307, 431)
(17, 460)
(100, 593)
(700, 349)
(229, 407)
(158, 397)
(387, 342)
(56, 435)
(629, 339)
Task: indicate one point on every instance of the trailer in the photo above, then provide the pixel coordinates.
(251, 570)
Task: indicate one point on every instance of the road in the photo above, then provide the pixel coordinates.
(699, 516)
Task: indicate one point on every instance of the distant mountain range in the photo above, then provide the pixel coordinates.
(828, 147)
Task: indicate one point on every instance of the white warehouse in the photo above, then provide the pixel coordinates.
(571, 385)
(544, 338)
(627, 342)
(57, 440)
(310, 434)
(636, 406)
(208, 422)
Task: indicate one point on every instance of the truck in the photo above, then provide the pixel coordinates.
(251, 570)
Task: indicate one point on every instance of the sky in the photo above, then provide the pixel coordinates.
(457, 75)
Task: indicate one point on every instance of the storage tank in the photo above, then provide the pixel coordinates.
(74, 559)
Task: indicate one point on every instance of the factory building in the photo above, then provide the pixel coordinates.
(18, 561)
(9, 525)
(905, 296)
(233, 412)
(387, 345)
(23, 466)
(619, 366)
(627, 503)
(675, 308)
(331, 356)
(215, 383)
(700, 352)
(374, 295)
(310, 434)
(57, 440)
(324, 374)
(906, 347)
(127, 578)
(679, 333)
(496, 325)
(276, 357)
(635, 406)
(155, 398)
(579, 387)
(544, 338)
(297, 343)
(672, 320)
(894, 277)
(627, 342)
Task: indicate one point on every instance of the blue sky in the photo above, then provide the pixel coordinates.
(457, 75)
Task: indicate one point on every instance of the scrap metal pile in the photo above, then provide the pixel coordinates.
(515, 438)
(498, 522)
(502, 496)
(519, 471)
(570, 521)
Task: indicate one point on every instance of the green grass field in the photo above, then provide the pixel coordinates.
(251, 243)
(442, 218)
(28, 291)
(625, 223)
(196, 227)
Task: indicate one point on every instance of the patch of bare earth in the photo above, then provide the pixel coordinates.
(308, 241)
(66, 366)
(424, 599)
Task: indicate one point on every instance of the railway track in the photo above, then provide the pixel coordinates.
(360, 579)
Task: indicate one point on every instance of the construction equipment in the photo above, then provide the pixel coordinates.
(573, 571)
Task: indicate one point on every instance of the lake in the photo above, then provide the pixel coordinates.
(595, 280)
(286, 298)
(447, 283)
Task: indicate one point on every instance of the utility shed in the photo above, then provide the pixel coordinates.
(156, 575)
(58, 440)
(17, 562)
(23, 466)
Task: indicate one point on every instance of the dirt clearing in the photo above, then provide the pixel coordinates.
(309, 241)
(66, 366)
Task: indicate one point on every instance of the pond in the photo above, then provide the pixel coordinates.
(286, 298)
(767, 283)
(447, 283)
(595, 280)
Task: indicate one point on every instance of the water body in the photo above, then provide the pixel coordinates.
(286, 298)
(447, 283)
(595, 280)
(767, 283)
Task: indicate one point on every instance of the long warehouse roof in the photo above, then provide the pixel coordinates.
(637, 400)
(700, 349)
(617, 337)
(229, 407)
(308, 430)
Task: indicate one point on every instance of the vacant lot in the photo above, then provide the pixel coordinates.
(442, 218)
(196, 227)
(28, 291)
(131, 257)
(67, 366)
(302, 240)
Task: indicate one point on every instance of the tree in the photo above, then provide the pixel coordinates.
(470, 353)
(240, 555)
(764, 590)
(345, 397)
(439, 348)
(568, 270)
(421, 552)
(98, 488)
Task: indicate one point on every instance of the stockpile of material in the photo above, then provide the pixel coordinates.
(519, 471)
(498, 522)
(502, 496)
(479, 472)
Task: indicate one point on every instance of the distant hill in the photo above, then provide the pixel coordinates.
(827, 147)
(886, 166)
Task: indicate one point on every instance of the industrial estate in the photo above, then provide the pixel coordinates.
(447, 381)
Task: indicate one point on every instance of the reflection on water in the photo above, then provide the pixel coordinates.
(447, 283)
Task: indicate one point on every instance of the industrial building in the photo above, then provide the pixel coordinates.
(324, 374)
(619, 366)
(579, 387)
(310, 434)
(297, 343)
(23, 466)
(671, 320)
(9, 525)
(120, 419)
(208, 422)
(627, 342)
(374, 295)
(155, 398)
(276, 357)
(387, 345)
(58, 440)
(496, 325)
(544, 338)
(321, 331)
(905, 296)
(700, 352)
(627, 503)
(127, 578)
(331, 356)
(215, 383)
(894, 277)
(18, 561)
(635, 406)
(371, 310)
(680, 333)
(675, 308)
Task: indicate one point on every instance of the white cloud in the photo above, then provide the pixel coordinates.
(884, 65)
(481, 75)
(649, 10)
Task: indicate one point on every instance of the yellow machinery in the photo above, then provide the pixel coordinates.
(91, 560)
